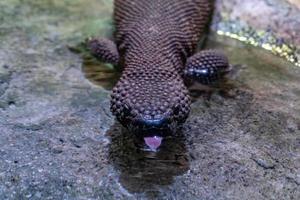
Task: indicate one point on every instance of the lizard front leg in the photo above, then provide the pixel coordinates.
(207, 67)
(104, 49)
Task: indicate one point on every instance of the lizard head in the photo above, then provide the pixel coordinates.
(153, 102)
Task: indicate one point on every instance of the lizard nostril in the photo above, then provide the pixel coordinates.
(176, 110)
(127, 110)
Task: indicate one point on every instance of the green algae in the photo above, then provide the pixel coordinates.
(260, 38)
(67, 20)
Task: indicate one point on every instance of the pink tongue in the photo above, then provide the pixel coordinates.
(153, 142)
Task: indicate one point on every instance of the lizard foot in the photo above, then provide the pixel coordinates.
(207, 67)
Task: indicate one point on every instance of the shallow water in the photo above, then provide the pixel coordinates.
(144, 171)
(273, 82)
(59, 140)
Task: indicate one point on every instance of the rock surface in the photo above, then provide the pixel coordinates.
(282, 17)
(59, 141)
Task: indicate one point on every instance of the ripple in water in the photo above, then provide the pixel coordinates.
(143, 171)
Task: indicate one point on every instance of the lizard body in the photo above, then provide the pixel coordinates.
(155, 43)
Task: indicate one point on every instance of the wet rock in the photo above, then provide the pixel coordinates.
(280, 16)
(57, 135)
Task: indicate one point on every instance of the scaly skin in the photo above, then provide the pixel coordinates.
(155, 39)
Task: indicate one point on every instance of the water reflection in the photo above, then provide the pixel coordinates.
(98, 73)
(225, 88)
(146, 171)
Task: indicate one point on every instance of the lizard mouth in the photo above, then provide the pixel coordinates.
(153, 142)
